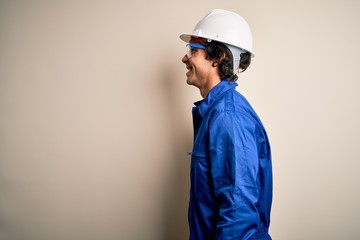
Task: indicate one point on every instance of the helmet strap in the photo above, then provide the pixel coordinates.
(236, 52)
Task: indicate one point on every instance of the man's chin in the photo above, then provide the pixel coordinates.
(190, 82)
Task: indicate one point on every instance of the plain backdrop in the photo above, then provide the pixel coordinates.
(95, 116)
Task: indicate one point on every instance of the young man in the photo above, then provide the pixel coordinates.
(231, 173)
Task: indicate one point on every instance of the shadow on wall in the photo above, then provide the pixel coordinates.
(176, 193)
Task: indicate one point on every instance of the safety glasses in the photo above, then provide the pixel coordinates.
(191, 48)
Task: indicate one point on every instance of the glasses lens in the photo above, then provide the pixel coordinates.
(191, 48)
(188, 51)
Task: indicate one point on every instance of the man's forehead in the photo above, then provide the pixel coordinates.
(197, 40)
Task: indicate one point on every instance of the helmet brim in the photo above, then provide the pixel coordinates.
(187, 37)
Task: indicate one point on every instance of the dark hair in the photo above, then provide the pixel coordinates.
(214, 51)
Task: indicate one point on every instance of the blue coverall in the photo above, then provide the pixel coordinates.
(231, 171)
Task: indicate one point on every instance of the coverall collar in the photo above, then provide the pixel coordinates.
(213, 95)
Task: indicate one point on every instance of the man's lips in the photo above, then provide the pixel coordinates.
(189, 68)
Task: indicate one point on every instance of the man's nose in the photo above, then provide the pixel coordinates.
(185, 58)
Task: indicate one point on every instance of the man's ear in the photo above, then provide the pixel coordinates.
(217, 62)
(223, 56)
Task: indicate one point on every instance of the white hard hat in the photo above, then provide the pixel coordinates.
(223, 26)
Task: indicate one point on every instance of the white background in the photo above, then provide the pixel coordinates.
(95, 116)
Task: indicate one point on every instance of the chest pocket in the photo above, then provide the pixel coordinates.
(200, 170)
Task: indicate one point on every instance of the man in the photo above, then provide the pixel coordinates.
(231, 172)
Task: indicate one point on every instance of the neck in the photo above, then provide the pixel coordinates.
(211, 83)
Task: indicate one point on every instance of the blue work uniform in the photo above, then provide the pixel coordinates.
(231, 172)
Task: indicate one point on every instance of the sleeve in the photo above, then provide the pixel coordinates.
(234, 167)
